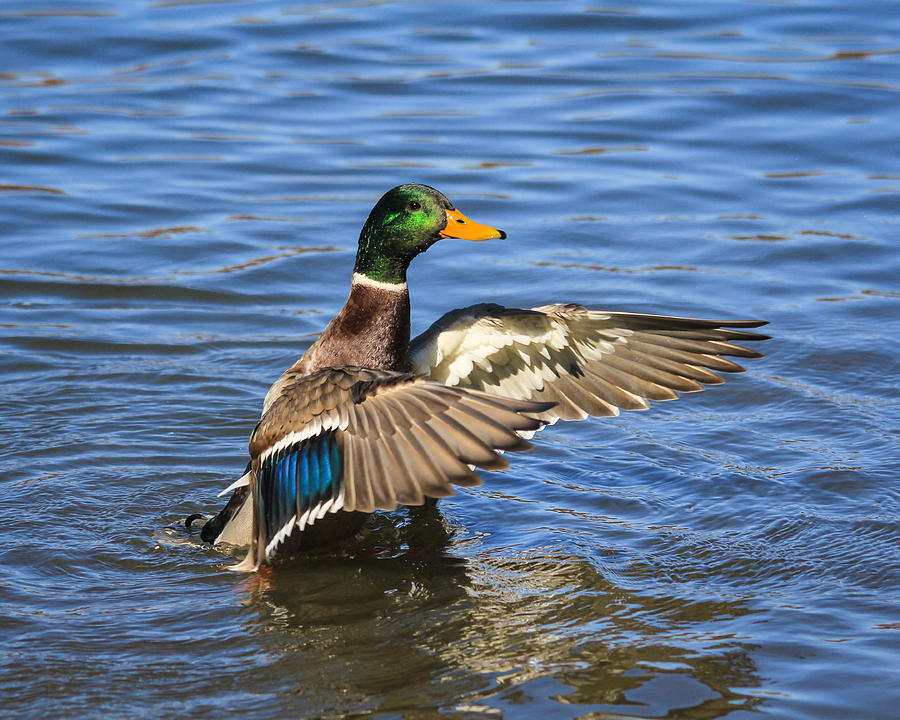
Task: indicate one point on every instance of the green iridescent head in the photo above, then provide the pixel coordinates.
(407, 221)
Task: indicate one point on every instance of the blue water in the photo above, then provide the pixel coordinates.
(181, 189)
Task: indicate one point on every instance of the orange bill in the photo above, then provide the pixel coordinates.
(459, 226)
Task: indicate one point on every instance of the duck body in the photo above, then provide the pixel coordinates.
(371, 330)
(366, 420)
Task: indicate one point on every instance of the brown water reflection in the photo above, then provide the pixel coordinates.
(405, 623)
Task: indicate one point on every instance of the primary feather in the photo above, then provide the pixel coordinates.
(587, 362)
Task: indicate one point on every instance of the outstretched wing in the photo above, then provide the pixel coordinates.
(354, 439)
(587, 362)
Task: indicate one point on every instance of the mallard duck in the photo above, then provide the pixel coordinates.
(366, 420)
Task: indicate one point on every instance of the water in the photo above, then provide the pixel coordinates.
(182, 187)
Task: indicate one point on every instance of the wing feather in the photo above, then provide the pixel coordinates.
(588, 362)
(362, 440)
(644, 380)
(406, 489)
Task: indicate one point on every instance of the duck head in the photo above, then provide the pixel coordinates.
(406, 221)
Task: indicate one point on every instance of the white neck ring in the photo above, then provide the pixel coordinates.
(360, 279)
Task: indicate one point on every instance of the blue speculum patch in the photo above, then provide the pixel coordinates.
(297, 478)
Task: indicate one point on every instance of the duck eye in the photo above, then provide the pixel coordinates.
(414, 205)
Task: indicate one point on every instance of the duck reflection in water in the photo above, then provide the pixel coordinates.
(413, 631)
(412, 542)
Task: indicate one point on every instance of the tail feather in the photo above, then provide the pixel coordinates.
(214, 530)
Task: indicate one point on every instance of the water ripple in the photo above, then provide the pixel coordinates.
(184, 182)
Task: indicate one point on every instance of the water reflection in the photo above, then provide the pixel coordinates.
(414, 617)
